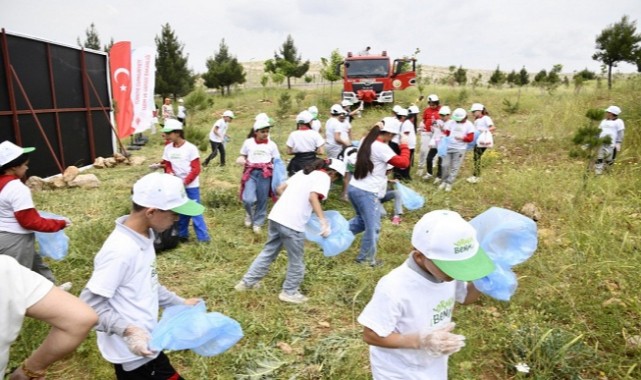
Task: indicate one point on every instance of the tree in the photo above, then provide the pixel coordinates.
(512, 78)
(617, 43)
(460, 76)
(498, 78)
(329, 71)
(107, 47)
(524, 78)
(288, 62)
(223, 70)
(172, 75)
(92, 40)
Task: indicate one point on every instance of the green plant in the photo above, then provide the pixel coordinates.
(284, 106)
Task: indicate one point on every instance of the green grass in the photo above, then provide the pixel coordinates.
(577, 299)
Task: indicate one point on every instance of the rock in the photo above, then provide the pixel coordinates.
(70, 173)
(58, 183)
(531, 211)
(85, 181)
(286, 348)
(633, 342)
(136, 160)
(119, 157)
(36, 183)
(110, 162)
(99, 163)
(324, 324)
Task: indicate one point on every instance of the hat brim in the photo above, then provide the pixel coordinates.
(189, 208)
(28, 149)
(473, 268)
(169, 130)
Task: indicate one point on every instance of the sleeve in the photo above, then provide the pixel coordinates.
(290, 140)
(402, 160)
(19, 195)
(382, 312)
(194, 172)
(488, 122)
(21, 288)
(320, 141)
(469, 137)
(461, 291)
(620, 132)
(168, 298)
(321, 184)
(30, 219)
(275, 152)
(109, 321)
(111, 267)
(244, 149)
(167, 165)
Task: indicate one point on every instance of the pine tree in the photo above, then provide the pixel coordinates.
(329, 71)
(618, 43)
(107, 47)
(498, 77)
(288, 62)
(92, 40)
(460, 76)
(223, 70)
(524, 78)
(172, 75)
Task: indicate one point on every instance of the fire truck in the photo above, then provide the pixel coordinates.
(374, 78)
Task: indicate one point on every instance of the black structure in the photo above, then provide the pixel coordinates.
(55, 98)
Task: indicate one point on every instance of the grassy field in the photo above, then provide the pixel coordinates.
(576, 313)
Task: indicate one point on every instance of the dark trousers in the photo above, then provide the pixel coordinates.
(215, 147)
(157, 369)
(430, 162)
(478, 152)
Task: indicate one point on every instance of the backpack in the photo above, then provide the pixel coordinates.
(167, 239)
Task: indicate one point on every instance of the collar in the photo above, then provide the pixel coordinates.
(261, 141)
(422, 272)
(178, 145)
(304, 128)
(142, 241)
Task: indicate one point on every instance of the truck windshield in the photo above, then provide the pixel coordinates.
(367, 68)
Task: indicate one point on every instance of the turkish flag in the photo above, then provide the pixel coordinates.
(120, 69)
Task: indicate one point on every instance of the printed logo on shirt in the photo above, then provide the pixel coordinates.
(463, 245)
(442, 311)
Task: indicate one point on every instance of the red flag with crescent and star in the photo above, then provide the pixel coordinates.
(120, 68)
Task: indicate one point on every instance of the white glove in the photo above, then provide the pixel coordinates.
(617, 146)
(326, 230)
(441, 341)
(137, 340)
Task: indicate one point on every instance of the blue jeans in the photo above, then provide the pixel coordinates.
(398, 202)
(200, 227)
(367, 220)
(277, 237)
(255, 196)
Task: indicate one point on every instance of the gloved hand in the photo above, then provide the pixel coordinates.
(441, 341)
(137, 340)
(617, 146)
(326, 230)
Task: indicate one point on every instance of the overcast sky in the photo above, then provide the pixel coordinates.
(477, 34)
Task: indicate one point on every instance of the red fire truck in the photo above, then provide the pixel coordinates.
(373, 78)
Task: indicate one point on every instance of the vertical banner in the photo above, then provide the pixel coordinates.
(143, 78)
(120, 68)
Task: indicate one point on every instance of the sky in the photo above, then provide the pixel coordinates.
(474, 34)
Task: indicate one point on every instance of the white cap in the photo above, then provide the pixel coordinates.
(10, 151)
(392, 125)
(260, 116)
(313, 110)
(262, 124)
(164, 192)
(396, 108)
(337, 165)
(228, 113)
(413, 109)
(445, 110)
(305, 117)
(181, 100)
(402, 112)
(172, 125)
(448, 240)
(614, 110)
(349, 155)
(459, 114)
(336, 109)
(346, 103)
(432, 98)
(477, 107)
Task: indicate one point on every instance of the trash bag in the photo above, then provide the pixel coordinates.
(279, 174)
(472, 145)
(54, 245)
(508, 237)
(485, 140)
(500, 284)
(411, 199)
(191, 327)
(166, 240)
(441, 149)
(338, 240)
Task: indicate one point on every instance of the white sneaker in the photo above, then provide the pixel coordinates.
(242, 286)
(256, 229)
(292, 298)
(427, 176)
(248, 220)
(437, 180)
(448, 188)
(66, 286)
(473, 179)
(442, 186)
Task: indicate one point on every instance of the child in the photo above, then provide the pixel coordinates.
(124, 289)
(316, 124)
(259, 153)
(393, 194)
(437, 135)
(482, 123)
(304, 143)
(430, 115)
(218, 136)
(407, 323)
(460, 132)
(336, 133)
(299, 196)
(182, 112)
(614, 127)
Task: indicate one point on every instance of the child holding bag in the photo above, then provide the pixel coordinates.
(483, 124)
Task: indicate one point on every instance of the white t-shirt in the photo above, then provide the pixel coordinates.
(611, 128)
(304, 141)
(437, 132)
(293, 208)
(483, 123)
(20, 289)
(458, 130)
(316, 125)
(376, 181)
(181, 158)
(332, 126)
(182, 111)
(222, 130)
(407, 128)
(397, 127)
(405, 302)
(259, 153)
(15, 196)
(125, 272)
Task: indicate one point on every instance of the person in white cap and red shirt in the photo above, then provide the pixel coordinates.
(430, 116)
(182, 159)
(300, 195)
(218, 137)
(408, 322)
(124, 289)
(304, 143)
(18, 215)
(614, 128)
(482, 123)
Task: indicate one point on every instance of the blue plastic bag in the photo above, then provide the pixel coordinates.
(54, 245)
(411, 199)
(500, 284)
(191, 327)
(279, 174)
(338, 240)
(471, 145)
(441, 149)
